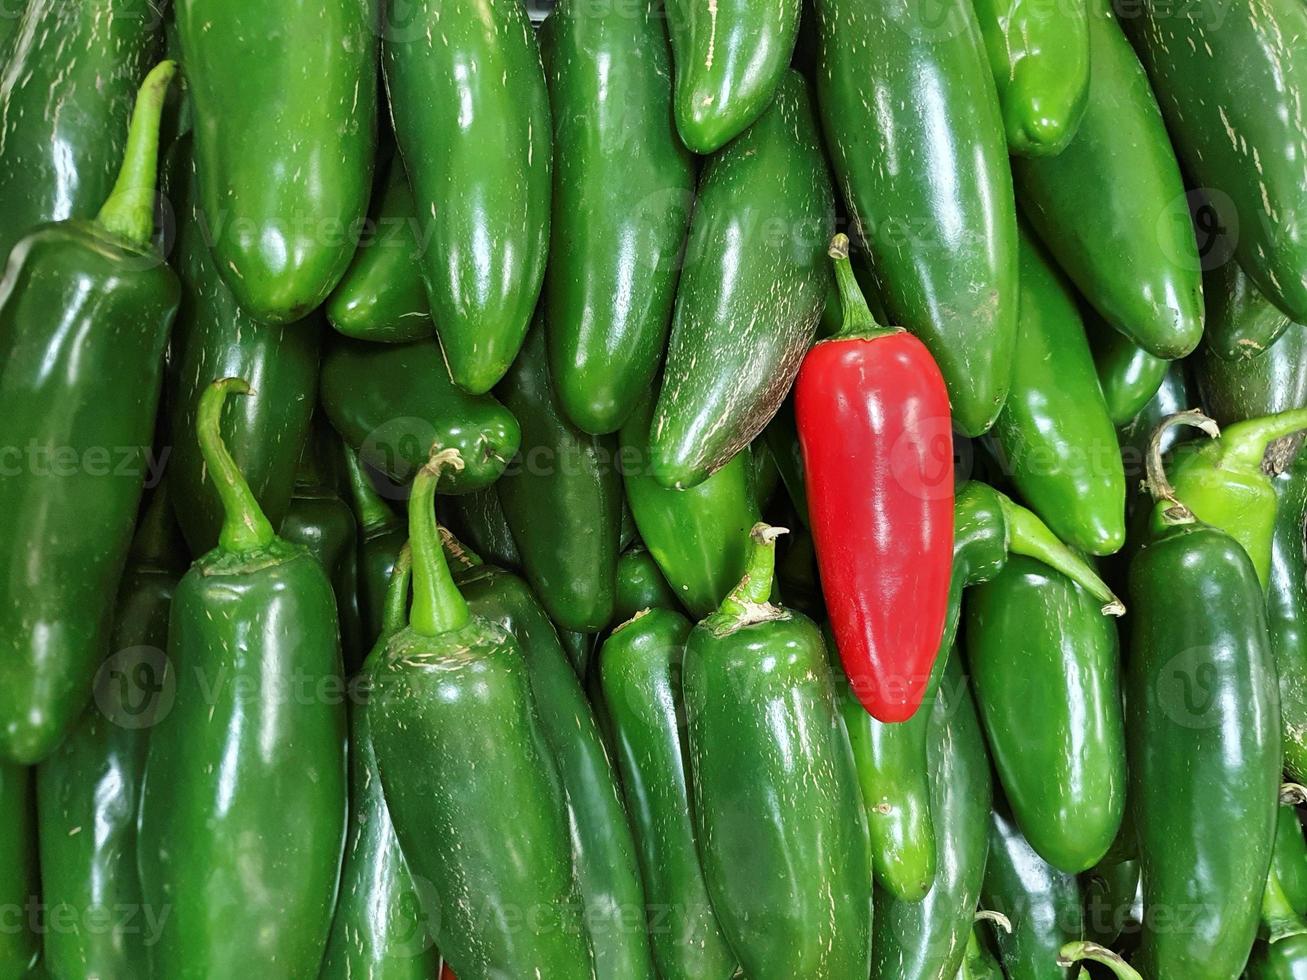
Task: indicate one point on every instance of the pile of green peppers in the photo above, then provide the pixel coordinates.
(407, 569)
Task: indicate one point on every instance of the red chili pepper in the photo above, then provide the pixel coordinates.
(877, 441)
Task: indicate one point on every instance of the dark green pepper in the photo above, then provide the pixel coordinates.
(1242, 324)
(750, 293)
(381, 296)
(381, 536)
(1128, 375)
(781, 829)
(19, 945)
(1043, 661)
(698, 537)
(562, 498)
(1055, 435)
(88, 792)
(1203, 739)
(1270, 383)
(1286, 611)
(285, 133)
(1289, 856)
(640, 585)
(449, 693)
(1285, 960)
(623, 189)
(478, 519)
(1109, 889)
(978, 963)
(85, 311)
(471, 116)
(243, 806)
(391, 402)
(782, 437)
(640, 667)
(1135, 436)
(66, 95)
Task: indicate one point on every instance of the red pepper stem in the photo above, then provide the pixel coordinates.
(1073, 953)
(1029, 536)
(755, 587)
(245, 528)
(858, 322)
(395, 609)
(1244, 444)
(438, 607)
(457, 552)
(1159, 487)
(371, 509)
(129, 211)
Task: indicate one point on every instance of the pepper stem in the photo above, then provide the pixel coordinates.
(129, 211)
(437, 605)
(858, 320)
(245, 528)
(1244, 444)
(998, 918)
(372, 511)
(755, 587)
(1159, 487)
(1073, 953)
(1293, 794)
(1029, 536)
(395, 608)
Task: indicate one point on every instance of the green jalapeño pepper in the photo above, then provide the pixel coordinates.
(1128, 375)
(471, 116)
(88, 792)
(1286, 612)
(243, 806)
(380, 929)
(623, 189)
(1043, 661)
(19, 945)
(215, 338)
(561, 496)
(640, 667)
(1289, 857)
(382, 533)
(381, 296)
(448, 693)
(1268, 384)
(751, 292)
(1242, 324)
(1284, 960)
(603, 851)
(67, 83)
(391, 402)
(1203, 739)
(478, 519)
(85, 309)
(285, 115)
(775, 790)
(640, 585)
(1054, 434)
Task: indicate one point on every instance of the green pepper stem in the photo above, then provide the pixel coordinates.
(1073, 953)
(1029, 536)
(245, 528)
(1159, 487)
(371, 510)
(1278, 913)
(998, 918)
(1244, 444)
(395, 608)
(754, 588)
(858, 321)
(129, 211)
(437, 605)
(457, 552)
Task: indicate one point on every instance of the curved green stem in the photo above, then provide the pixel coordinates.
(1244, 444)
(245, 528)
(754, 589)
(395, 608)
(1075, 952)
(371, 510)
(438, 607)
(129, 211)
(1159, 487)
(858, 321)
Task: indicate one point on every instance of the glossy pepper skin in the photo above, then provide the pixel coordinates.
(750, 294)
(775, 790)
(623, 190)
(1242, 324)
(1042, 903)
(381, 536)
(450, 690)
(1289, 855)
(640, 667)
(380, 927)
(1109, 889)
(381, 296)
(471, 115)
(730, 59)
(928, 184)
(1111, 207)
(391, 402)
(640, 586)
(68, 79)
(603, 850)
(1203, 739)
(1128, 375)
(561, 497)
(873, 420)
(1284, 960)
(1286, 613)
(478, 519)
(1043, 661)
(1232, 96)
(927, 940)
(285, 133)
(698, 537)
(215, 338)
(20, 946)
(1054, 434)
(88, 791)
(243, 805)
(1040, 59)
(1270, 383)
(85, 309)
